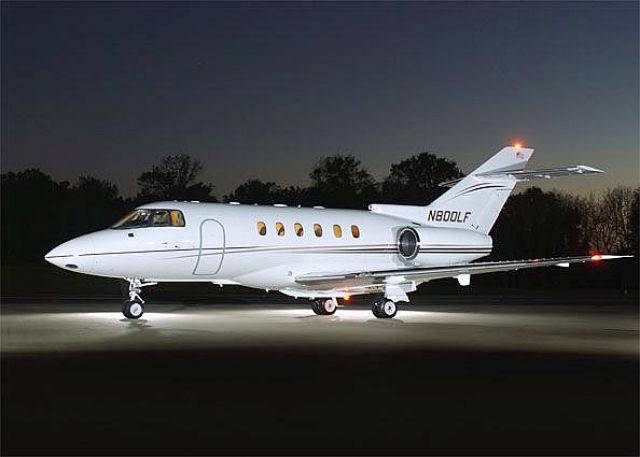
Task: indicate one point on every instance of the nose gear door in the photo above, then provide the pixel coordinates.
(211, 251)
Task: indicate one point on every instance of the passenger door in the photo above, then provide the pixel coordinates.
(211, 249)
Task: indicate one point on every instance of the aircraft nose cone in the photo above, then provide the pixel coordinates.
(74, 255)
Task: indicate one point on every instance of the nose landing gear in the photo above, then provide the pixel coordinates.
(133, 305)
(132, 309)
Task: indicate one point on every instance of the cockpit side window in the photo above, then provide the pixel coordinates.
(147, 217)
(160, 218)
(137, 218)
(176, 219)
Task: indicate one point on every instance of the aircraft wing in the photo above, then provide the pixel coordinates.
(419, 275)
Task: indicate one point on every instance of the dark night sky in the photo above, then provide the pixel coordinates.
(264, 90)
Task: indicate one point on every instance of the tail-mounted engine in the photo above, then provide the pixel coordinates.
(433, 245)
(408, 243)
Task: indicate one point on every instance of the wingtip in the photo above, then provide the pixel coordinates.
(610, 256)
(588, 169)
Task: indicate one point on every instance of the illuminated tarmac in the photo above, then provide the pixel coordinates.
(517, 326)
(263, 375)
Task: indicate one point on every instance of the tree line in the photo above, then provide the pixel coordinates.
(39, 212)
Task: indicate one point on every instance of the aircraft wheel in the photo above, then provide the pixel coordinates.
(125, 309)
(385, 309)
(328, 306)
(374, 309)
(132, 309)
(315, 306)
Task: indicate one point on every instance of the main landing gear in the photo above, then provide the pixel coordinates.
(382, 308)
(133, 305)
(325, 306)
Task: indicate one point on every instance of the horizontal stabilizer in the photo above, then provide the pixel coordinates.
(526, 175)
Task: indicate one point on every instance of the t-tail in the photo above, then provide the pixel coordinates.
(475, 201)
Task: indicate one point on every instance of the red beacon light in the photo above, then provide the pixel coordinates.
(596, 257)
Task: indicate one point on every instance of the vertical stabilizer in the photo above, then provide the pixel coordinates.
(475, 201)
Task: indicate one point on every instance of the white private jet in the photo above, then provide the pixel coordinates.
(315, 253)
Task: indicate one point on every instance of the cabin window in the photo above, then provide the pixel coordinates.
(337, 231)
(317, 229)
(280, 228)
(298, 229)
(147, 217)
(262, 228)
(355, 231)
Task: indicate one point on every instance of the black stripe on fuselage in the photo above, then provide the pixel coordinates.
(351, 249)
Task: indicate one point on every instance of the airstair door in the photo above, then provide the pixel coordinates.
(211, 252)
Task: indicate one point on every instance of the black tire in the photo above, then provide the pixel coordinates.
(315, 307)
(374, 310)
(125, 309)
(127, 306)
(386, 309)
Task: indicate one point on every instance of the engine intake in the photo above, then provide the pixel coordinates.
(408, 243)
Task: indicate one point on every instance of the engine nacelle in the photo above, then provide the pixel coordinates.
(423, 246)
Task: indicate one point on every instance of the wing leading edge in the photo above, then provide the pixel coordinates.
(419, 275)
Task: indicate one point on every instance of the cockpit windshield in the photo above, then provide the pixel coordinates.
(148, 217)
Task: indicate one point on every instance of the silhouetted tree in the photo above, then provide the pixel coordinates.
(535, 223)
(94, 204)
(32, 214)
(414, 181)
(635, 224)
(341, 181)
(39, 213)
(96, 189)
(295, 195)
(609, 220)
(256, 191)
(174, 179)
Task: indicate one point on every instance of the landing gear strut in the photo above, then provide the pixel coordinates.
(384, 308)
(325, 306)
(133, 305)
